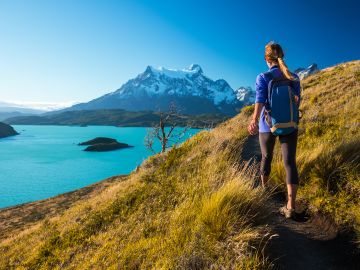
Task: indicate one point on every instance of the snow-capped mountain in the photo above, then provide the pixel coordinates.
(246, 95)
(305, 72)
(155, 88)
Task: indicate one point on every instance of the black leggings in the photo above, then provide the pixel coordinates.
(288, 151)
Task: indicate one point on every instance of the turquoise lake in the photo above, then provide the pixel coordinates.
(44, 161)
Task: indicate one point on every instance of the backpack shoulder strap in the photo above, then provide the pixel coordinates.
(270, 77)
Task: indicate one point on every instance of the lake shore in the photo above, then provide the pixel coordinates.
(16, 218)
(44, 161)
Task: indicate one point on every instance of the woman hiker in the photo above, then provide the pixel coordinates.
(274, 58)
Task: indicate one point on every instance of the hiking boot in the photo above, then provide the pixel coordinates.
(288, 213)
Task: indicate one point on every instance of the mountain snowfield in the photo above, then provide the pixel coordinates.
(188, 81)
(189, 88)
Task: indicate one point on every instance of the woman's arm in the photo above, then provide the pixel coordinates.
(257, 111)
(253, 127)
(261, 96)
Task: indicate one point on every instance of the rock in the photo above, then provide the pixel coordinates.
(102, 147)
(99, 140)
(6, 130)
(101, 144)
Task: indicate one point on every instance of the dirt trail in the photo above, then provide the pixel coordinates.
(310, 241)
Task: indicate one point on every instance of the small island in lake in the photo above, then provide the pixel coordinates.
(101, 144)
(7, 130)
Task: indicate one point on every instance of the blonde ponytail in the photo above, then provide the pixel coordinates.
(275, 54)
(285, 70)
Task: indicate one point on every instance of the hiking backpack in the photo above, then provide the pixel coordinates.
(281, 110)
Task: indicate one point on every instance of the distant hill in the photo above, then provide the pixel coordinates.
(6, 107)
(113, 118)
(6, 115)
(33, 107)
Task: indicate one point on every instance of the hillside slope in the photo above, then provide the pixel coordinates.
(194, 207)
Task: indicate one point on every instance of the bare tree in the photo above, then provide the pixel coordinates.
(169, 119)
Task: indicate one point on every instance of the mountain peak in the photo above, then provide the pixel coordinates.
(313, 67)
(305, 72)
(196, 68)
(149, 70)
(172, 73)
(193, 68)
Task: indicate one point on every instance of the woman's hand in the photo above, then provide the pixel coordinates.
(296, 98)
(253, 127)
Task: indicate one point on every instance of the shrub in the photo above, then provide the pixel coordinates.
(248, 110)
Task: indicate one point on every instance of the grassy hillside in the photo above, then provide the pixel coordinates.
(194, 206)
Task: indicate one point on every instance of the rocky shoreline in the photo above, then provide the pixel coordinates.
(7, 131)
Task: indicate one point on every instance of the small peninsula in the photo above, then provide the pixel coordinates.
(7, 130)
(102, 144)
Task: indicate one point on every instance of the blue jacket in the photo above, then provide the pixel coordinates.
(261, 87)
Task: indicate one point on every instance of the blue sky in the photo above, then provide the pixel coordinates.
(77, 50)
